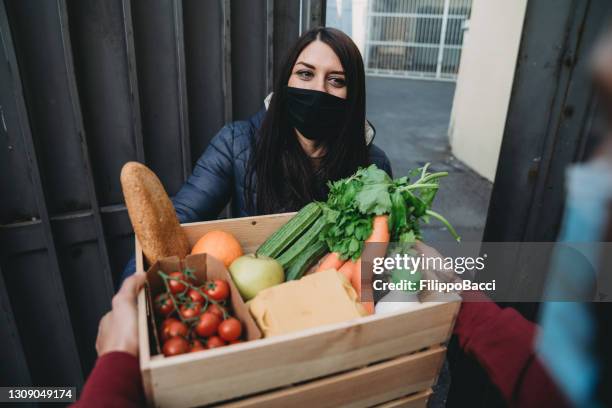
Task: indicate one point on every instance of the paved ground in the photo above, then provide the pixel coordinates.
(411, 120)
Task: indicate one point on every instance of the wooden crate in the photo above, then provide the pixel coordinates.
(390, 359)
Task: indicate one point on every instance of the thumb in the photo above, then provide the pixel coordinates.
(132, 285)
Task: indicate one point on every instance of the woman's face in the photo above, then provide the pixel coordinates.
(318, 68)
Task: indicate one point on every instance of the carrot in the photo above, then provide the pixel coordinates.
(380, 234)
(347, 269)
(356, 276)
(331, 261)
(368, 306)
(380, 229)
(356, 282)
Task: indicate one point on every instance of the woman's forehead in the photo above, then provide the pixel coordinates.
(321, 56)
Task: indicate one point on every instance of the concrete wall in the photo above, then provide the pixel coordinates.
(484, 82)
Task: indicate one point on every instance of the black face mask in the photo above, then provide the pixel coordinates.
(317, 115)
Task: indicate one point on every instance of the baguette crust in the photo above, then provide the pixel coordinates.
(152, 214)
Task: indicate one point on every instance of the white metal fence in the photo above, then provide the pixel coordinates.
(415, 38)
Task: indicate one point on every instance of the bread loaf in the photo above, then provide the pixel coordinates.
(152, 214)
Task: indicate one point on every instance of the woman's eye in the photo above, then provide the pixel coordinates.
(304, 74)
(337, 82)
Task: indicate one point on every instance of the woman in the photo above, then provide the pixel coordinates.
(312, 130)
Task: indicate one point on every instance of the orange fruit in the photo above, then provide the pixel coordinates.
(220, 244)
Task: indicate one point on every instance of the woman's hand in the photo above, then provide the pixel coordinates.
(444, 275)
(118, 329)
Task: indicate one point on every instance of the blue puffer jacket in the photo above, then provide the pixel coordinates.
(219, 174)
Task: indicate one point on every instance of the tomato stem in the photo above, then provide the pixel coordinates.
(187, 285)
(176, 308)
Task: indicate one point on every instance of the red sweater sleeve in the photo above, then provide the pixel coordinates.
(502, 341)
(115, 381)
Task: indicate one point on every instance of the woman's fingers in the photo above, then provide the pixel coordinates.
(442, 275)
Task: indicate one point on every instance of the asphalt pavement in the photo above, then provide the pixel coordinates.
(411, 119)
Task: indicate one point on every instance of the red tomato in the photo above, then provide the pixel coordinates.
(218, 289)
(195, 296)
(214, 342)
(172, 328)
(176, 286)
(230, 329)
(236, 341)
(175, 345)
(163, 304)
(217, 310)
(167, 321)
(196, 345)
(207, 325)
(190, 311)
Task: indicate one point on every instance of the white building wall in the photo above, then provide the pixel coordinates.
(359, 22)
(484, 82)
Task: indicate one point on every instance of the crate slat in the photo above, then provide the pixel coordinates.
(363, 387)
(144, 353)
(418, 400)
(274, 362)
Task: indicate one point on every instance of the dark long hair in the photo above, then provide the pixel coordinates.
(280, 173)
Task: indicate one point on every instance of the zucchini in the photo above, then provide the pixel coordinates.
(291, 231)
(303, 243)
(306, 260)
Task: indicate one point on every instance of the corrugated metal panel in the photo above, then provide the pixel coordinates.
(158, 39)
(286, 29)
(205, 70)
(14, 368)
(91, 85)
(249, 69)
(30, 264)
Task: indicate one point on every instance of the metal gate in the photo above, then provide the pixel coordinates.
(415, 38)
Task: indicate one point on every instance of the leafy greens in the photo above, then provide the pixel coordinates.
(354, 201)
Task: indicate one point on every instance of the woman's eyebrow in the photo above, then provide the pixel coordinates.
(313, 67)
(308, 65)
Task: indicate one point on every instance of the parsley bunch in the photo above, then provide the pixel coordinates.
(353, 202)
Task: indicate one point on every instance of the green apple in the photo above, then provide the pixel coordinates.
(252, 273)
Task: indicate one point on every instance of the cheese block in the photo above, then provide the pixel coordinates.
(317, 299)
